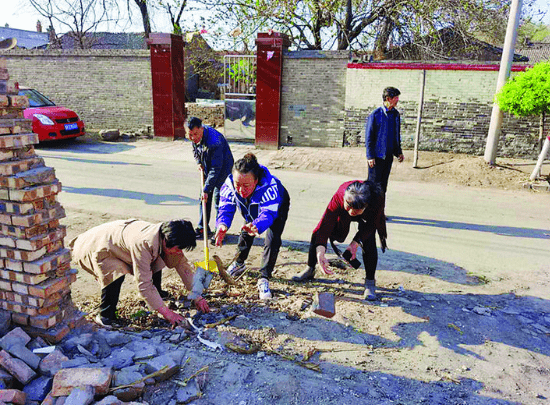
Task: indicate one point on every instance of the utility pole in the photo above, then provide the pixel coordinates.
(419, 119)
(503, 75)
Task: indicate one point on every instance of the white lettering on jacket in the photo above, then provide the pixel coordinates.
(270, 194)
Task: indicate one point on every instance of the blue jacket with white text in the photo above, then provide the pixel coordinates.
(261, 208)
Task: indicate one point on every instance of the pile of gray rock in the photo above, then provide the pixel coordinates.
(94, 365)
(111, 366)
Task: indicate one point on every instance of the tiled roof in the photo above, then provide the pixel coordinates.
(25, 39)
(107, 40)
(447, 44)
(536, 52)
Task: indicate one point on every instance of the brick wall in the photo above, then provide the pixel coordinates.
(324, 103)
(107, 88)
(456, 114)
(313, 96)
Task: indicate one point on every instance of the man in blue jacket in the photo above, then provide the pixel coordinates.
(212, 154)
(383, 138)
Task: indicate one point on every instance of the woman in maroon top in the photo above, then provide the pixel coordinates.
(355, 201)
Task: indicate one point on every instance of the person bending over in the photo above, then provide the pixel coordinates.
(264, 203)
(354, 201)
(114, 249)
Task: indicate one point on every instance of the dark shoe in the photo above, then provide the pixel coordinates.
(106, 322)
(307, 275)
(163, 294)
(370, 290)
(199, 232)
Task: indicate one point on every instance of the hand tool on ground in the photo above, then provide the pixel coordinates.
(204, 270)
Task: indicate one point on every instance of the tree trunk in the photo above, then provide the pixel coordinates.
(383, 38)
(541, 131)
(344, 32)
(142, 4)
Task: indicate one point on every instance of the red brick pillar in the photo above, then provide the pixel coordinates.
(270, 47)
(168, 77)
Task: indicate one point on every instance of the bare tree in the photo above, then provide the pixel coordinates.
(77, 17)
(359, 24)
(175, 9)
(143, 6)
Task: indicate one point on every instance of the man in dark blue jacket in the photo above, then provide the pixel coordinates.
(212, 153)
(383, 138)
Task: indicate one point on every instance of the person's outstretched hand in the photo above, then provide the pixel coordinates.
(251, 229)
(220, 234)
(322, 260)
(171, 316)
(202, 305)
(353, 246)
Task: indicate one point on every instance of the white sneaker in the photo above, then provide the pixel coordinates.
(263, 289)
(236, 269)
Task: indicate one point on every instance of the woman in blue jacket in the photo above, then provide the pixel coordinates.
(264, 204)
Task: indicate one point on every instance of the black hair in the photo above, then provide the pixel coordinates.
(249, 164)
(361, 194)
(194, 122)
(179, 233)
(390, 92)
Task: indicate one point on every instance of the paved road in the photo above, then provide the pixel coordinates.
(501, 235)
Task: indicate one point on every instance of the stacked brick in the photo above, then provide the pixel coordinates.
(35, 272)
(210, 114)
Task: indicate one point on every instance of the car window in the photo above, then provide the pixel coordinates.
(36, 99)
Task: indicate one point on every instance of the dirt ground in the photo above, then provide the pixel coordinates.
(448, 168)
(441, 325)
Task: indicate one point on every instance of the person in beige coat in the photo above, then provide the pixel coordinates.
(114, 249)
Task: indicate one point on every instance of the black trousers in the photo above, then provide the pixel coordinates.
(214, 195)
(111, 293)
(272, 243)
(380, 173)
(370, 254)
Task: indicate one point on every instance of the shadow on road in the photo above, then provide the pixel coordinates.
(94, 161)
(498, 230)
(148, 198)
(392, 260)
(85, 147)
(459, 321)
